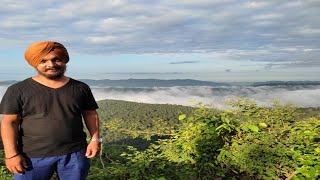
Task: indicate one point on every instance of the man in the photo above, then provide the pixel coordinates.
(42, 129)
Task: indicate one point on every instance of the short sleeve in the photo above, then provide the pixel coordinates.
(11, 101)
(90, 102)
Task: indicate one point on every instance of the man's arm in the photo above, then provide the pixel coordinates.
(91, 120)
(9, 133)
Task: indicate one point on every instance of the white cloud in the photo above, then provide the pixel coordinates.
(309, 31)
(270, 16)
(254, 30)
(103, 40)
(298, 95)
(256, 4)
(303, 96)
(3, 90)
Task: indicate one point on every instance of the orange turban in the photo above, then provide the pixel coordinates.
(37, 51)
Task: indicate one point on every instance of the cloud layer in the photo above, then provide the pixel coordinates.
(306, 96)
(303, 96)
(282, 33)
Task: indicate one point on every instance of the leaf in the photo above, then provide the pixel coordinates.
(253, 128)
(245, 128)
(182, 117)
(161, 178)
(264, 125)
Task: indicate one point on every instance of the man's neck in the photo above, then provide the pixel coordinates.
(53, 83)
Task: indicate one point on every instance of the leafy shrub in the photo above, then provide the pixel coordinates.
(247, 142)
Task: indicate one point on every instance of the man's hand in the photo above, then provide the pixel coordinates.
(93, 149)
(91, 120)
(17, 164)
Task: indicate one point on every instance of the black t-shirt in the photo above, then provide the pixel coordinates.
(51, 119)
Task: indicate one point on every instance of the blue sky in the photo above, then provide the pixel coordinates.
(213, 40)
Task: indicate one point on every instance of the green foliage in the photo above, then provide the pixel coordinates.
(305, 148)
(190, 153)
(5, 174)
(272, 143)
(247, 142)
(121, 120)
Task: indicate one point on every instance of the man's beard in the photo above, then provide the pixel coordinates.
(60, 72)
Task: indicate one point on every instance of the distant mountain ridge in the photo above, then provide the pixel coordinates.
(287, 83)
(150, 83)
(8, 82)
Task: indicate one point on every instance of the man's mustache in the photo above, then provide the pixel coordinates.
(54, 68)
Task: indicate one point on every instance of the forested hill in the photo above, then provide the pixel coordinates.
(109, 109)
(163, 141)
(133, 116)
(137, 116)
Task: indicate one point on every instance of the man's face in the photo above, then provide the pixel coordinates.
(51, 66)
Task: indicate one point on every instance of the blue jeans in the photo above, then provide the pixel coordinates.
(73, 166)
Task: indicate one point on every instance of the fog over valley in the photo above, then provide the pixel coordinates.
(306, 96)
(300, 95)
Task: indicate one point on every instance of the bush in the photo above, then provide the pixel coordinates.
(247, 142)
